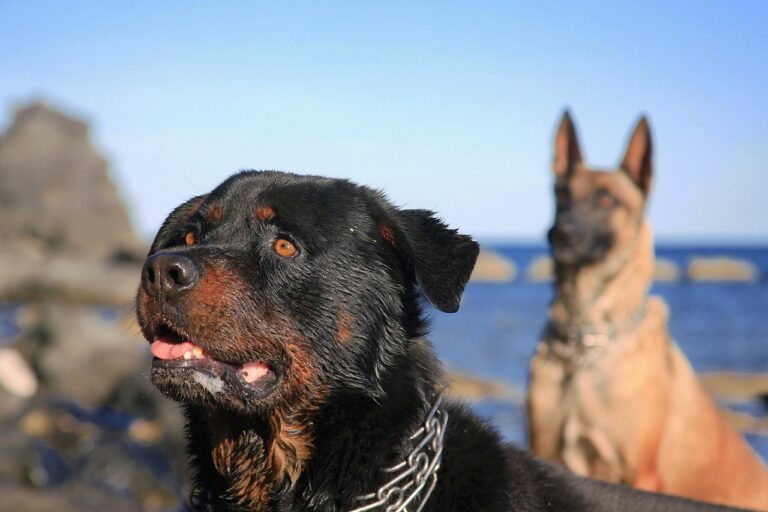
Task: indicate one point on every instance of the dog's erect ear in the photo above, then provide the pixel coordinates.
(637, 159)
(442, 259)
(567, 152)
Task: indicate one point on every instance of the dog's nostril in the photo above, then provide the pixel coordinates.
(150, 275)
(176, 275)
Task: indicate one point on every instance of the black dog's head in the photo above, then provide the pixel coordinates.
(275, 288)
(597, 212)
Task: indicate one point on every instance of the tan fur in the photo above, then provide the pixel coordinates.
(264, 213)
(636, 412)
(344, 327)
(213, 213)
(281, 455)
(386, 233)
(254, 470)
(232, 455)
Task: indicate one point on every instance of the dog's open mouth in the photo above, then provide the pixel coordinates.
(174, 354)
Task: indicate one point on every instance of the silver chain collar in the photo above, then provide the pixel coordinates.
(581, 345)
(414, 478)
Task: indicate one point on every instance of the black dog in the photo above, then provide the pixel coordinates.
(284, 313)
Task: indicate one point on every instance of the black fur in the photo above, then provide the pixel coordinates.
(341, 327)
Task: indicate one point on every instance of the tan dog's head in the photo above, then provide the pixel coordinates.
(599, 212)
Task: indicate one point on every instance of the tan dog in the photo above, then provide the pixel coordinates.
(611, 396)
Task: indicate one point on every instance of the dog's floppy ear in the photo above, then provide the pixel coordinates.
(637, 159)
(567, 152)
(442, 260)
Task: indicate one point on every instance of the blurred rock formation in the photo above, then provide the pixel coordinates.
(722, 269)
(56, 195)
(493, 267)
(80, 426)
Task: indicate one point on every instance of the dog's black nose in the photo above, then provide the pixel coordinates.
(166, 275)
(563, 233)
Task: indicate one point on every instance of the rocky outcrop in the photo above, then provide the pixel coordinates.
(735, 387)
(722, 269)
(493, 267)
(666, 271)
(82, 428)
(541, 269)
(81, 352)
(56, 195)
(471, 388)
(16, 377)
(739, 388)
(70, 280)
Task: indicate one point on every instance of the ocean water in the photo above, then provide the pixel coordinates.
(719, 326)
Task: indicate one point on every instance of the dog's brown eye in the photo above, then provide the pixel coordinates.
(285, 248)
(190, 238)
(606, 200)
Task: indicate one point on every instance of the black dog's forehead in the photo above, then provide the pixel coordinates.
(304, 205)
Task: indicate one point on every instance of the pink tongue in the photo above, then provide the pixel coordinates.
(162, 349)
(253, 371)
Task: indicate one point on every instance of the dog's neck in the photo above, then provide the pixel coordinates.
(234, 454)
(382, 430)
(611, 291)
(241, 463)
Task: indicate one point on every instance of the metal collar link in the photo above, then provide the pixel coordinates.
(414, 478)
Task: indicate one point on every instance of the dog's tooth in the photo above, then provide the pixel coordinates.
(188, 355)
(197, 352)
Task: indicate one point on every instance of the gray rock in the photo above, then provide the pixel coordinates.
(722, 269)
(56, 194)
(666, 270)
(16, 377)
(493, 267)
(65, 279)
(541, 269)
(79, 353)
(58, 500)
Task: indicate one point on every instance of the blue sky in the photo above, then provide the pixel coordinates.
(444, 105)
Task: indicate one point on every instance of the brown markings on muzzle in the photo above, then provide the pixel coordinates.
(217, 296)
(145, 314)
(217, 283)
(264, 213)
